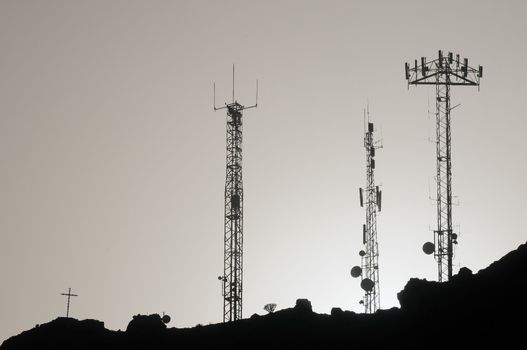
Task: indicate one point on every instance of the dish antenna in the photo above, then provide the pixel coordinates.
(270, 308)
(367, 284)
(428, 248)
(166, 319)
(356, 271)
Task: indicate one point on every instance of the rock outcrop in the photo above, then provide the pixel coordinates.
(481, 309)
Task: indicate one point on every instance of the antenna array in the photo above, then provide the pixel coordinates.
(443, 72)
(232, 278)
(370, 197)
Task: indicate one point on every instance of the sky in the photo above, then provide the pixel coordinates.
(113, 159)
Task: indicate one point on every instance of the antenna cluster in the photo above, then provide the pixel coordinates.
(443, 72)
(371, 198)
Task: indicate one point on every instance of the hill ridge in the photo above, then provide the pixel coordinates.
(470, 308)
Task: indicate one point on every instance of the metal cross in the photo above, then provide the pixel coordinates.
(69, 295)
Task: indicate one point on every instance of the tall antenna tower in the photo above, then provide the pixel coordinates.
(232, 278)
(443, 72)
(370, 196)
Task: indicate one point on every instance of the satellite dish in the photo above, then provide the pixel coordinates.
(362, 253)
(270, 308)
(367, 284)
(356, 271)
(165, 319)
(428, 248)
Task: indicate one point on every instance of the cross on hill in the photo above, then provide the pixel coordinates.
(69, 295)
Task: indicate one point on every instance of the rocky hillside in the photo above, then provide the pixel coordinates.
(485, 308)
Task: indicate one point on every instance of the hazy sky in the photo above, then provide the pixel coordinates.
(113, 160)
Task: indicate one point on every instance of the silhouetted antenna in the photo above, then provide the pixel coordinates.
(270, 308)
(232, 278)
(443, 72)
(256, 104)
(370, 197)
(69, 295)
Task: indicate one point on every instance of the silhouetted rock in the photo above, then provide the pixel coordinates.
(336, 311)
(471, 309)
(464, 272)
(303, 305)
(141, 324)
(61, 333)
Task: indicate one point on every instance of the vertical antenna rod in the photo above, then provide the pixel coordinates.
(443, 72)
(232, 278)
(370, 196)
(69, 295)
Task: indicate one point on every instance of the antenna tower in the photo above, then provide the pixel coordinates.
(232, 278)
(370, 196)
(443, 72)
